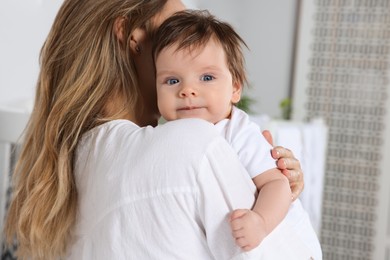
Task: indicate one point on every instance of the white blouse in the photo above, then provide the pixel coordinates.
(163, 193)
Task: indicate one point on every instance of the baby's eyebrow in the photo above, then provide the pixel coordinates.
(210, 69)
(164, 73)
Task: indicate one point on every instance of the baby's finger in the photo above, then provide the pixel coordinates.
(247, 248)
(236, 224)
(241, 242)
(238, 233)
(238, 213)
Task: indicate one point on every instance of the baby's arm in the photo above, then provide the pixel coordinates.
(250, 227)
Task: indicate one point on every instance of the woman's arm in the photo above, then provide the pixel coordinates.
(224, 186)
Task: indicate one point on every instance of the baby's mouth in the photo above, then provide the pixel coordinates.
(189, 108)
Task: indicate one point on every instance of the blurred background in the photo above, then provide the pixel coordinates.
(318, 79)
(25, 24)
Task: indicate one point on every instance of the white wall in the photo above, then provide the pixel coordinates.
(266, 26)
(24, 25)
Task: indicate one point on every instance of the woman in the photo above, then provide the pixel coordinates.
(96, 88)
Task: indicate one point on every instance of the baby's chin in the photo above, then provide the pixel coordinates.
(200, 113)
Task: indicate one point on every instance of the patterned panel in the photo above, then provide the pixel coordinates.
(348, 85)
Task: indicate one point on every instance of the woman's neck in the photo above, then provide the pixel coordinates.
(140, 115)
(115, 109)
(146, 116)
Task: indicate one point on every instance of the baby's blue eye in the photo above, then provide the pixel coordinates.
(172, 81)
(207, 78)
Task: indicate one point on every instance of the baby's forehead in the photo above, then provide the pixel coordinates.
(196, 45)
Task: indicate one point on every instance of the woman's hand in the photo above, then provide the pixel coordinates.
(288, 164)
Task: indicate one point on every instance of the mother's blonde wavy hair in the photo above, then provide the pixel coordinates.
(83, 65)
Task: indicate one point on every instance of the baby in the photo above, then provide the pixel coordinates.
(200, 74)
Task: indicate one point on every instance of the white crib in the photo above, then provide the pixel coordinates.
(308, 141)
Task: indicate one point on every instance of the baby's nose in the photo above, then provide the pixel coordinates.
(188, 92)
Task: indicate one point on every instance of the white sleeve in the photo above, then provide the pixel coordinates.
(246, 139)
(253, 150)
(224, 186)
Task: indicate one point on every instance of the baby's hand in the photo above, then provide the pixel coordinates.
(248, 228)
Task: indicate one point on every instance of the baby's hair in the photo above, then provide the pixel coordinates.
(192, 29)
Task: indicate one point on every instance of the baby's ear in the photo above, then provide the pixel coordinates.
(236, 95)
(137, 38)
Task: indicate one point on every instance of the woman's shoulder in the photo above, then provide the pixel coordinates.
(187, 142)
(189, 127)
(189, 133)
(184, 131)
(106, 137)
(112, 126)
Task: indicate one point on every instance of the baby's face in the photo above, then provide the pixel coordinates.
(195, 84)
